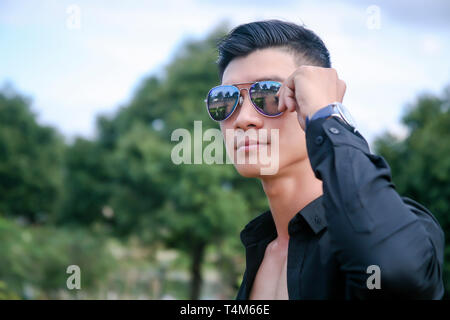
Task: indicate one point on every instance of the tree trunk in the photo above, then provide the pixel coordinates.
(196, 272)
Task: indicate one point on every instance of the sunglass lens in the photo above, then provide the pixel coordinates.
(263, 96)
(221, 102)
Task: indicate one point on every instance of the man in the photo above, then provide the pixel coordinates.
(336, 228)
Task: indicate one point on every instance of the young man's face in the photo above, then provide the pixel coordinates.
(268, 64)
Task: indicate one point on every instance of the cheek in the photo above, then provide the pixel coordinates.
(292, 141)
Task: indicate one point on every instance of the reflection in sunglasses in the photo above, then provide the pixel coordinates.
(222, 100)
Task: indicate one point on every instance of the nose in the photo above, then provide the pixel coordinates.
(246, 116)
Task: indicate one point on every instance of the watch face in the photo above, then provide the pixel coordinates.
(345, 114)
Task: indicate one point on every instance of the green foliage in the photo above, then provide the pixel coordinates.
(420, 163)
(6, 293)
(187, 206)
(30, 161)
(123, 182)
(147, 191)
(34, 260)
(86, 185)
(141, 172)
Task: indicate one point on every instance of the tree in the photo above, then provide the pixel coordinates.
(30, 161)
(420, 163)
(127, 172)
(188, 207)
(86, 185)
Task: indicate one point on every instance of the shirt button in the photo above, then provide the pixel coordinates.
(318, 140)
(334, 130)
(317, 219)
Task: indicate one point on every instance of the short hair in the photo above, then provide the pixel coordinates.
(303, 43)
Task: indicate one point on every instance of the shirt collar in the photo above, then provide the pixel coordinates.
(263, 226)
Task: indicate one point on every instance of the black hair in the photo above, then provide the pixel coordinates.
(306, 46)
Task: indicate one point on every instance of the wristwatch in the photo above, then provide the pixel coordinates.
(335, 109)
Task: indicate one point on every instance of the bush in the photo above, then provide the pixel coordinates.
(34, 260)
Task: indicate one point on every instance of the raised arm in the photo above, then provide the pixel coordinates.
(369, 222)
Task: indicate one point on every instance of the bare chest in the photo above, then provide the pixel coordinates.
(271, 279)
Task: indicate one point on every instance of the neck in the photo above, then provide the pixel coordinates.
(288, 192)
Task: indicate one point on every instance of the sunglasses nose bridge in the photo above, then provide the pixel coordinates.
(241, 97)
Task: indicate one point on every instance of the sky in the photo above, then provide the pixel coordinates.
(78, 59)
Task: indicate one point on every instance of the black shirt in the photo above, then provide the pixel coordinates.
(359, 221)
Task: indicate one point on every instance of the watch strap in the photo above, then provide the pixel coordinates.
(321, 113)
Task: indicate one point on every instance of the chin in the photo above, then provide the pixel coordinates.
(252, 170)
(249, 170)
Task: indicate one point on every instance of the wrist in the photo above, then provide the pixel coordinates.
(323, 112)
(336, 110)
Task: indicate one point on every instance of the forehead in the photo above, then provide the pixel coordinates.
(265, 64)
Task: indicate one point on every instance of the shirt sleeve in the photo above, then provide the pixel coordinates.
(369, 223)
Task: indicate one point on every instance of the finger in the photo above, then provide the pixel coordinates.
(290, 99)
(290, 91)
(288, 83)
(278, 95)
(341, 87)
(291, 104)
(281, 105)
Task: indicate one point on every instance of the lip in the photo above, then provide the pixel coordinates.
(248, 144)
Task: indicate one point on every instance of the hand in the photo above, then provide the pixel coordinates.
(308, 89)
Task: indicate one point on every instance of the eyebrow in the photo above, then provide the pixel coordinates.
(272, 78)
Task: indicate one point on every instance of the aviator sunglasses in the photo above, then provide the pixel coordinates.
(221, 101)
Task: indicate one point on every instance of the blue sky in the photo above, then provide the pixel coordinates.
(74, 74)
